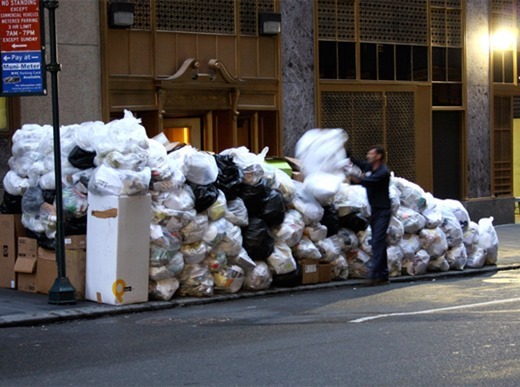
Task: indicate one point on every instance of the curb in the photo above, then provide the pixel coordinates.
(96, 311)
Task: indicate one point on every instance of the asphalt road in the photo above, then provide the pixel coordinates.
(450, 332)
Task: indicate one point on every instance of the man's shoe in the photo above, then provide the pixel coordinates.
(376, 282)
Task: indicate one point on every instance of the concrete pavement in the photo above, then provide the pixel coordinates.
(26, 309)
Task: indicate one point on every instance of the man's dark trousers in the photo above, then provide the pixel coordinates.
(378, 263)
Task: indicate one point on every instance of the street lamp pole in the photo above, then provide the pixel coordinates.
(62, 291)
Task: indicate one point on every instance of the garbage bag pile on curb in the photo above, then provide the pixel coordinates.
(229, 221)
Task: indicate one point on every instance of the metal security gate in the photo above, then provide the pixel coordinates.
(370, 118)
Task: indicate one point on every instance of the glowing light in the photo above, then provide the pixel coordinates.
(504, 39)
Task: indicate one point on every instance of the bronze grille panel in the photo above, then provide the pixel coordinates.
(362, 115)
(215, 17)
(438, 26)
(142, 19)
(336, 20)
(400, 134)
(403, 21)
(453, 28)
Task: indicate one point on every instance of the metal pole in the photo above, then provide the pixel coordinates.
(62, 291)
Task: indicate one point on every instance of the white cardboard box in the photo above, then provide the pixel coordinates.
(118, 245)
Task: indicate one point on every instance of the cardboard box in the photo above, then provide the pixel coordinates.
(25, 268)
(75, 242)
(118, 244)
(47, 270)
(10, 229)
(27, 247)
(324, 272)
(309, 269)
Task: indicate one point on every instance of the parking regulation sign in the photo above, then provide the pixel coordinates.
(22, 57)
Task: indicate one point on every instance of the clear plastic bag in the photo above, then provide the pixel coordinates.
(395, 231)
(410, 244)
(258, 278)
(236, 212)
(281, 260)
(350, 239)
(365, 240)
(476, 256)
(243, 260)
(196, 280)
(200, 168)
(457, 257)
(470, 236)
(163, 290)
(459, 211)
(305, 203)
(416, 265)
(340, 269)
(323, 186)
(290, 231)
(438, 264)
(251, 164)
(195, 253)
(229, 279)
(195, 230)
(14, 184)
(412, 221)
(119, 182)
(411, 195)
(305, 249)
(215, 232)
(433, 241)
(488, 239)
(330, 248)
(352, 199)
(218, 209)
(395, 259)
(357, 262)
(231, 244)
(431, 213)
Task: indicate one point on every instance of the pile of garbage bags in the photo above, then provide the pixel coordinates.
(227, 222)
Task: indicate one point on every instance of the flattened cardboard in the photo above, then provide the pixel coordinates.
(10, 229)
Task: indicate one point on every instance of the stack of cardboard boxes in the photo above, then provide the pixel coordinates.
(27, 267)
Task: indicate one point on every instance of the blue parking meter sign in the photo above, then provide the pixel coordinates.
(22, 73)
(22, 56)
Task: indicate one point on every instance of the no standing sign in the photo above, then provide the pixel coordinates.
(22, 55)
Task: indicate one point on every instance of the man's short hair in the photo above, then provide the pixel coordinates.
(380, 150)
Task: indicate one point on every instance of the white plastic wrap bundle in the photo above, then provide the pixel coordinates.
(323, 158)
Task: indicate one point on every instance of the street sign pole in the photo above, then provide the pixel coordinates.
(62, 291)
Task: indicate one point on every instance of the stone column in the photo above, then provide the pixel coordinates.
(478, 114)
(298, 87)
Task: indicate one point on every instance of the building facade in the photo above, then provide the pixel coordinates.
(428, 79)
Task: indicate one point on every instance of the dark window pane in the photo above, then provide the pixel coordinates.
(518, 64)
(328, 60)
(347, 60)
(497, 67)
(420, 63)
(447, 94)
(454, 64)
(385, 54)
(368, 61)
(439, 64)
(403, 63)
(508, 67)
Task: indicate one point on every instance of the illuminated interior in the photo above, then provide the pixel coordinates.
(178, 134)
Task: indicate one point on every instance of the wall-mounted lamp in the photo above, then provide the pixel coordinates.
(504, 39)
(269, 23)
(121, 14)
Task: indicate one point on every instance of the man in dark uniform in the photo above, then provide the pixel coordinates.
(376, 179)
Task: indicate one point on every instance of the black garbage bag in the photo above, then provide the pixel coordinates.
(81, 158)
(255, 196)
(330, 220)
(273, 212)
(257, 241)
(230, 176)
(42, 239)
(289, 280)
(11, 204)
(354, 221)
(75, 226)
(49, 195)
(205, 195)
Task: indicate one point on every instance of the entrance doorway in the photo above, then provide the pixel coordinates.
(447, 159)
(186, 130)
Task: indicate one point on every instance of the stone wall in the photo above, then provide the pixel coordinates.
(298, 88)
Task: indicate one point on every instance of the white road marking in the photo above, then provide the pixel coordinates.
(377, 316)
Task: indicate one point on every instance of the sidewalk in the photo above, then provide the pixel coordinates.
(25, 309)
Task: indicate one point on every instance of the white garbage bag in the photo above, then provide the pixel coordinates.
(488, 239)
(281, 261)
(417, 265)
(258, 278)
